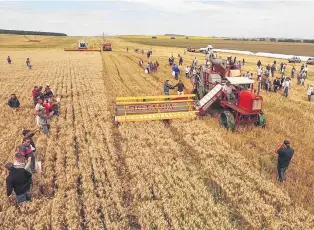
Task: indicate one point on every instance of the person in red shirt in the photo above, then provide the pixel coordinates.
(48, 105)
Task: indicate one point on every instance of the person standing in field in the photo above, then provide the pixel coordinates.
(276, 84)
(27, 134)
(273, 69)
(42, 120)
(187, 71)
(310, 91)
(286, 86)
(180, 60)
(176, 70)
(9, 60)
(281, 67)
(259, 76)
(303, 78)
(34, 95)
(285, 153)
(259, 63)
(18, 180)
(27, 151)
(181, 87)
(171, 60)
(243, 62)
(167, 87)
(21, 162)
(305, 69)
(299, 78)
(28, 63)
(293, 72)
(140, 62)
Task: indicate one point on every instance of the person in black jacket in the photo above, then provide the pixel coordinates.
(13, 101)
(19, 180)
(276, 84)
(181, 87)
(285, 153)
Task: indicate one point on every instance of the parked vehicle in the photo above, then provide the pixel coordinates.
(206, 50)
(310, 61)
(294, 59)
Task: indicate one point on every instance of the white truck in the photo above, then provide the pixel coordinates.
(208, 49)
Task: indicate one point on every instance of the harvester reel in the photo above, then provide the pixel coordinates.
(261, 120)
(227, 120)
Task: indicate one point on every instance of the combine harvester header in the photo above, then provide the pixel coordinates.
(82, 46)
(149, 108)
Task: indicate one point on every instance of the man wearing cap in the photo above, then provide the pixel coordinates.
(20, 162)
(285, 153)
(19, 180)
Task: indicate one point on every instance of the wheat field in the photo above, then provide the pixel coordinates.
(192, 174)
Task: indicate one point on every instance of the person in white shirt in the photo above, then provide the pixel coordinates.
(259, 73)
(187, 71)
(310, 90)
(305, 69)
(286, 86)
(227, 89)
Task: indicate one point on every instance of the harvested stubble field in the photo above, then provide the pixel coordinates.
(189, 175)
(302, 49)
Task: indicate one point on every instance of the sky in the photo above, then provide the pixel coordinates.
(289, 19)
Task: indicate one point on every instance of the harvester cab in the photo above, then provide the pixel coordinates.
(82, 44)
(107, 47)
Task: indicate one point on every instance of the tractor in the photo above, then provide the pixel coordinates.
(107, 47)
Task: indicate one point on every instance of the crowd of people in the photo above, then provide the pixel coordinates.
(151, 67)
(19, 178)
(270, 83)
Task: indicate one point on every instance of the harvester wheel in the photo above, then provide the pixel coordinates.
(227, 120)
(261, 120)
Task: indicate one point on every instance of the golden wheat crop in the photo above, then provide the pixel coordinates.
(190, 175)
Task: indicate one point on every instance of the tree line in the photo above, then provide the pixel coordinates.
(23, 32)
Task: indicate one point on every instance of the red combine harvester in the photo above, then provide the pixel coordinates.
(211, 85)
(107, 47)
(246, 106)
